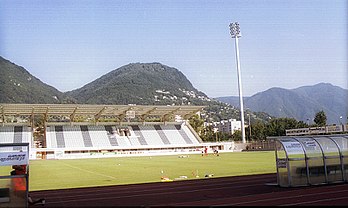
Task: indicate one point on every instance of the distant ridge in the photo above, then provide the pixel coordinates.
(301, 103)
(140, 83)
(135, 83)
(19, 86)
(158, 84)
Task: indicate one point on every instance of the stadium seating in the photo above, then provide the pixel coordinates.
(173, 134)
(148, 132)
(86, 137)
(99, 136)
(82, 136)
(134, 141)
(15, 134)
(7, 134)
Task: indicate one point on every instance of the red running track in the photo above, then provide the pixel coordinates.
(253, 190)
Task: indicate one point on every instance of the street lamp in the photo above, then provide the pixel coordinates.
(235, 33)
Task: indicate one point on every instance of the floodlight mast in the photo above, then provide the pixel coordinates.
(235, 33)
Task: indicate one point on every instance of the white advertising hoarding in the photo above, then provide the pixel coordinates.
(293, 147)
(13, 158)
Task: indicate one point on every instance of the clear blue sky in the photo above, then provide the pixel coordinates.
(284, 43)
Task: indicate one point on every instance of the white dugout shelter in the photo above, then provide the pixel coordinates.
(311, 160)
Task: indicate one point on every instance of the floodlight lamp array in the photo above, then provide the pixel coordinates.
(235, 30)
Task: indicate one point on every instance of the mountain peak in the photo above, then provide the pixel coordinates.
(19, 86)
(301, 103)
(139, 83)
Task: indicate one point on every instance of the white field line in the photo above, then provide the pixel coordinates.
(88, 171)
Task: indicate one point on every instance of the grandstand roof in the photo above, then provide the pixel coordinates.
(73, 110)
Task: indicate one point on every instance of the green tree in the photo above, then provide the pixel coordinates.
(197, 124)
(320, 118)
(207, 134)
(258, 131)
(237, 135)
(222, 136)
(277, 126)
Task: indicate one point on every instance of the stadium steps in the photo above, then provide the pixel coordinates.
(73, 137)
(151, 135)
(86, 137)
(99, 137)
(123, 141)
(17, 137)
(173, 134)
(134, 141)
(190, 134)
(6, 134)
(60, 136)
(51, 141)
(105, 136)
(18, 130)
(160, 132)
(138, 133)
(14, 134)
(112, 138)
(183, 134)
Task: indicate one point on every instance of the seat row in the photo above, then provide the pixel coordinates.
(15, 134)
(115, 136)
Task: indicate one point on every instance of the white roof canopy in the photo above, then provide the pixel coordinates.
(97, 111)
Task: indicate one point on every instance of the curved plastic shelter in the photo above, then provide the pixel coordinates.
(311, 160)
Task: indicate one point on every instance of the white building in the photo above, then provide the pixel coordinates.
(229, 126)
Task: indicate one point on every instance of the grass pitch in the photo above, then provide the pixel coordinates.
(60, 174)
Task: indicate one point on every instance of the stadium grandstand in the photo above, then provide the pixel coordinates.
(88, 131)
